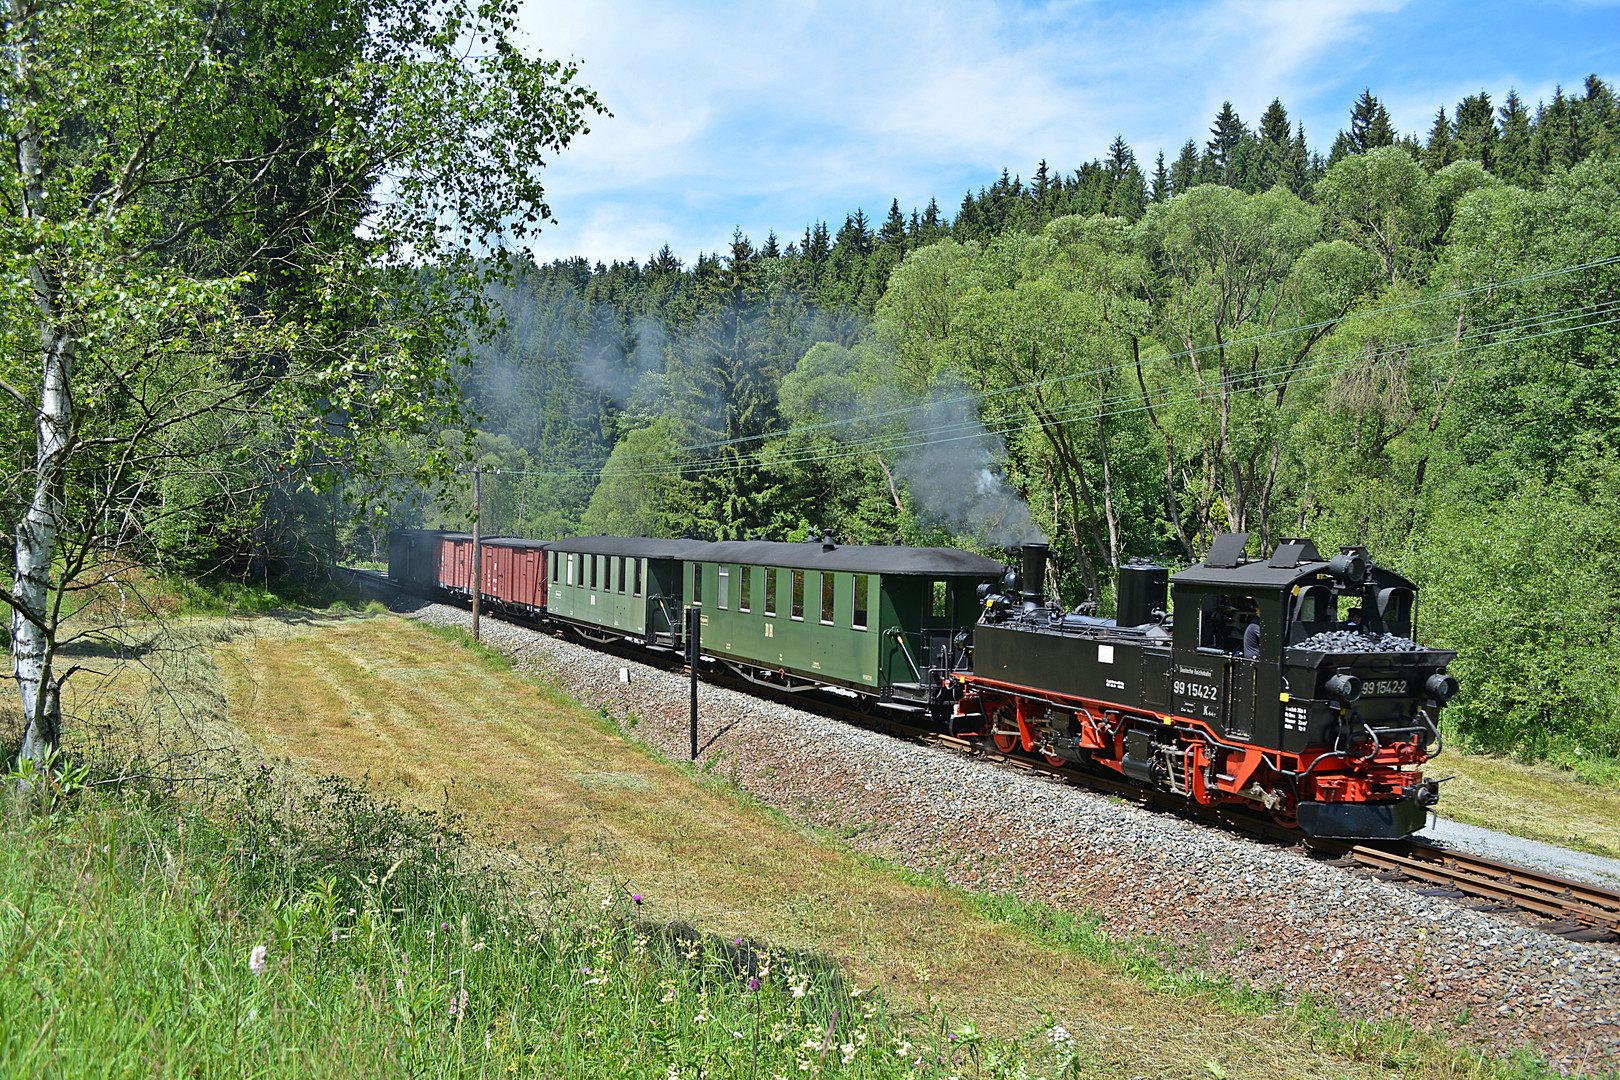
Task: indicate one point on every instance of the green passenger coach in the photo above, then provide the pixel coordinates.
(608, 587)
(887, 622)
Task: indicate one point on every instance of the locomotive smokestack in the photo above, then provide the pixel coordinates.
(1034, 572)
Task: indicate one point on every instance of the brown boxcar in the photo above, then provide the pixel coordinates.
(515, 574)
(456, 563)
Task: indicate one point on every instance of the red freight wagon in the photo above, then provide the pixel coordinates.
(515, 574)
(456, 563)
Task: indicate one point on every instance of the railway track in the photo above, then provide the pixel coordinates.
(1576, 910)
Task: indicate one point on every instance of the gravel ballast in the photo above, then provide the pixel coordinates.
(1255, 913)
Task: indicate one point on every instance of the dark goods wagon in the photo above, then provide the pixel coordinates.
(1290, 684)
(888, 623)
(413, 558)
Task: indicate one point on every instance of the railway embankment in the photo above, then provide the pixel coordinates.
(1263, 915)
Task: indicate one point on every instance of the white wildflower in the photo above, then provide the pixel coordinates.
(1060, 1035)
(257, 959)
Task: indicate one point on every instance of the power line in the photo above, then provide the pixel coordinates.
(970, 428)
(594, 464)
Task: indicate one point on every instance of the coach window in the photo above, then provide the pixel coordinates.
(556, 569)
(942, 599)
(798, 595)
(596, 570)
(697, 585)
(826, 599)
(745, 578)
(858, 621)
(570, 568)
(635, 568)
(770, 590)
(724, 597)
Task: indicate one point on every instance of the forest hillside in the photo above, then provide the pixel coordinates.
(1408, 343)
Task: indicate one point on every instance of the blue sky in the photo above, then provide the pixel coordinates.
(774, 115)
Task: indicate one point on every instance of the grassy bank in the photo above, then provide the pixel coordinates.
(273, 935)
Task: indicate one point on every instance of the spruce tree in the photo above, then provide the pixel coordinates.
(1275, 147)
(1161, 181)
(1476, 130)
(1184, 173)
(1227, 131)
(893, 232)
(1370, 125)
(1513, 162)
(1298, 175)
(1599, 115)
(1441, 149)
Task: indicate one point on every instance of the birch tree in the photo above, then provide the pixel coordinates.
(242, 240)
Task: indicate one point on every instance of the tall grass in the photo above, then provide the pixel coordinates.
(268, 934)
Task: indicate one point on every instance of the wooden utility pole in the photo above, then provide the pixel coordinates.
(478, 557)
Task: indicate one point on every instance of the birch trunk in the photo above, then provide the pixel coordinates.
(33, 623)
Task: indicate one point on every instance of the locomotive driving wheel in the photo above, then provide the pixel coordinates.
(1284, 814)
(1004, 729)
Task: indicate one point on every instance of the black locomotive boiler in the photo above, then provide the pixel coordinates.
(1289, 683)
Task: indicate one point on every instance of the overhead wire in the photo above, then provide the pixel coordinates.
(972, 427)
(594, 463)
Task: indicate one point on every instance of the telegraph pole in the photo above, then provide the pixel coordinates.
(478, 557)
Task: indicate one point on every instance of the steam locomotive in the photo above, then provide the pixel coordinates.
(1257, 692)
(1289, 684)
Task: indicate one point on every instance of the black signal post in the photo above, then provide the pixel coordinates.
(694, 624)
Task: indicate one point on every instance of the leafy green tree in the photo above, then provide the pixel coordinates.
(643, 490)
(162, 309)
(1383, 200)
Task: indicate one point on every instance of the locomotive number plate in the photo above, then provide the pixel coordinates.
(1197, 691)
(1385, 688)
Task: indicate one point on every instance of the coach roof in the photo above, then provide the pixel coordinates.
(814, 555)
(636, 547)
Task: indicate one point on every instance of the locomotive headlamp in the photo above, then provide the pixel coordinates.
(1441, 687)
(1349, 568)
(1345, 688)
